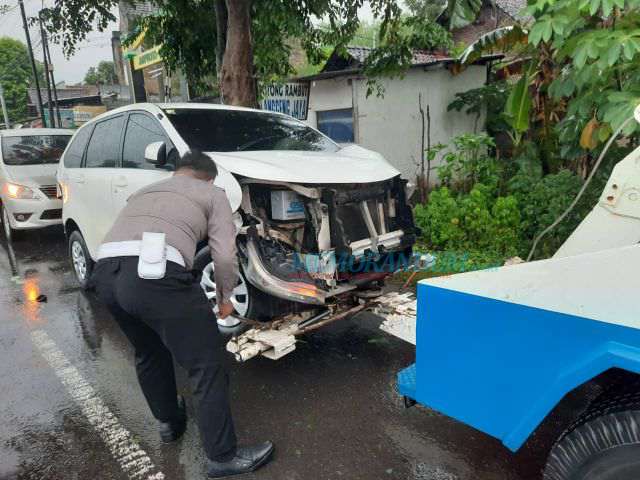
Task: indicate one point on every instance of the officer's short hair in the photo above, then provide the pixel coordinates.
(199, 162)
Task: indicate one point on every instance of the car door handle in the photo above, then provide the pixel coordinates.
(78, 178)
(120, 182)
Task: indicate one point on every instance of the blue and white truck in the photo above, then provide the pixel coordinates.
(502, 349)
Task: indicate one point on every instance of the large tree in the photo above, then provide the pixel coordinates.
(15, 76)
(246, 40)
(103, 74)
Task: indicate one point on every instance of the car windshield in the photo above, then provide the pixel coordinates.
(220, 130)
(33, 149)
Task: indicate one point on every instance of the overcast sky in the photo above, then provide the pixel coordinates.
(88, 54)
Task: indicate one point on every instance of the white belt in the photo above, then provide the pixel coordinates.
(131, 248)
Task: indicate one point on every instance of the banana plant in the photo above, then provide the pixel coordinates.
(499, 40)
(518, 107)
(512, 38)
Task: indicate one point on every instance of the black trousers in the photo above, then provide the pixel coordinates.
(166, 319)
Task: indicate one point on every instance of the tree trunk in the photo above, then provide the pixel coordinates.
(221, 31)
(237, 82)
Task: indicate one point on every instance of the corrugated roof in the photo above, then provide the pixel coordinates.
(66, 92)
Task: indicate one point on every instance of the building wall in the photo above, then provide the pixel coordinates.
(392, 125)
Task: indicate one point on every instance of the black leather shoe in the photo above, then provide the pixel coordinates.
(247, 460)
(173, 430)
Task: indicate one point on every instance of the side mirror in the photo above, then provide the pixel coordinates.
(156, 154)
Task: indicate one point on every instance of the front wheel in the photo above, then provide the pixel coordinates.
(80, 259)
(239, 298)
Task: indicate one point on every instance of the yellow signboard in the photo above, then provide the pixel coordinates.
(146, 58)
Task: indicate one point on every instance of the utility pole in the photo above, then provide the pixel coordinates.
(4, 108)
(46, 74)
(33, 61)
(53, 81)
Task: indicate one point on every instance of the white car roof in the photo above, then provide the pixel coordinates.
(155, 107)
(21, 132)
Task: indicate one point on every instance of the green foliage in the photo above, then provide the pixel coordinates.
(468, 163)
(476, 224)
(490, 98)
(187, 32)
(15, 76)
(542, 200)
(596, 44)
(393, 56)
(422, 34)
(103, 74)
(518, 106)
(487, 225)
(495, 41)
(427, 9)
(70, 21)
(461, 13)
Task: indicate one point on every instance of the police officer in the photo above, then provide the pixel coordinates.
(162, 310)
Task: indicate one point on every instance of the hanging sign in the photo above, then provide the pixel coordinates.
(146, 58)
(290, 98)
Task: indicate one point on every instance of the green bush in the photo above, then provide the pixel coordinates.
(469, 163)
(490, 210)
(476, 226)
(543, 200)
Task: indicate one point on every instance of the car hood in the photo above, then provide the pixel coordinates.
(32, 175)
(352, 164)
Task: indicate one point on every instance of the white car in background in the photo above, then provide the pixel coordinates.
(28, 162)
(299, 199)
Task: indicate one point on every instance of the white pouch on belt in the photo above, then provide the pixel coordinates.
(152, 263)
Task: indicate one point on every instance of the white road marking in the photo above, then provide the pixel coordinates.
(133, 460)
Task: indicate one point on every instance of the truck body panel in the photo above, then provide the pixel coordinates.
(498, 349)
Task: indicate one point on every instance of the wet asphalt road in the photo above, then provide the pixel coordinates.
(330, 407)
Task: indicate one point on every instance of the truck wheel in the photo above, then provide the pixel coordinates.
(80, 259)
(606, 447)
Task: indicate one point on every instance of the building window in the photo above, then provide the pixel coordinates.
(337, 124)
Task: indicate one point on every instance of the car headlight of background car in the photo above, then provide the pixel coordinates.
(13, 190)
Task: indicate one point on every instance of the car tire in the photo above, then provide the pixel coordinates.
(604, 447)
(244, 295)
(81, 261)
(258, 305)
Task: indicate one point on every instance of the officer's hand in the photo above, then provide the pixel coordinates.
(225, 309)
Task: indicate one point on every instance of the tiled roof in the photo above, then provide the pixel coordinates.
(420, 57)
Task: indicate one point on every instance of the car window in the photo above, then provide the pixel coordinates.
(221, 130)
(33, 149)
(104, 146)
(75, 150)
(141, 131)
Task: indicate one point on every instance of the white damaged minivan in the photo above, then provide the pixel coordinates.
(28, 162)
(317, 222)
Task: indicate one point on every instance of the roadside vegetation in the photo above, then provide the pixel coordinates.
(570, 78)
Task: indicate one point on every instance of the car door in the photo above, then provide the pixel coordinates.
(135, 172)
(101, 161)
(71, 178)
